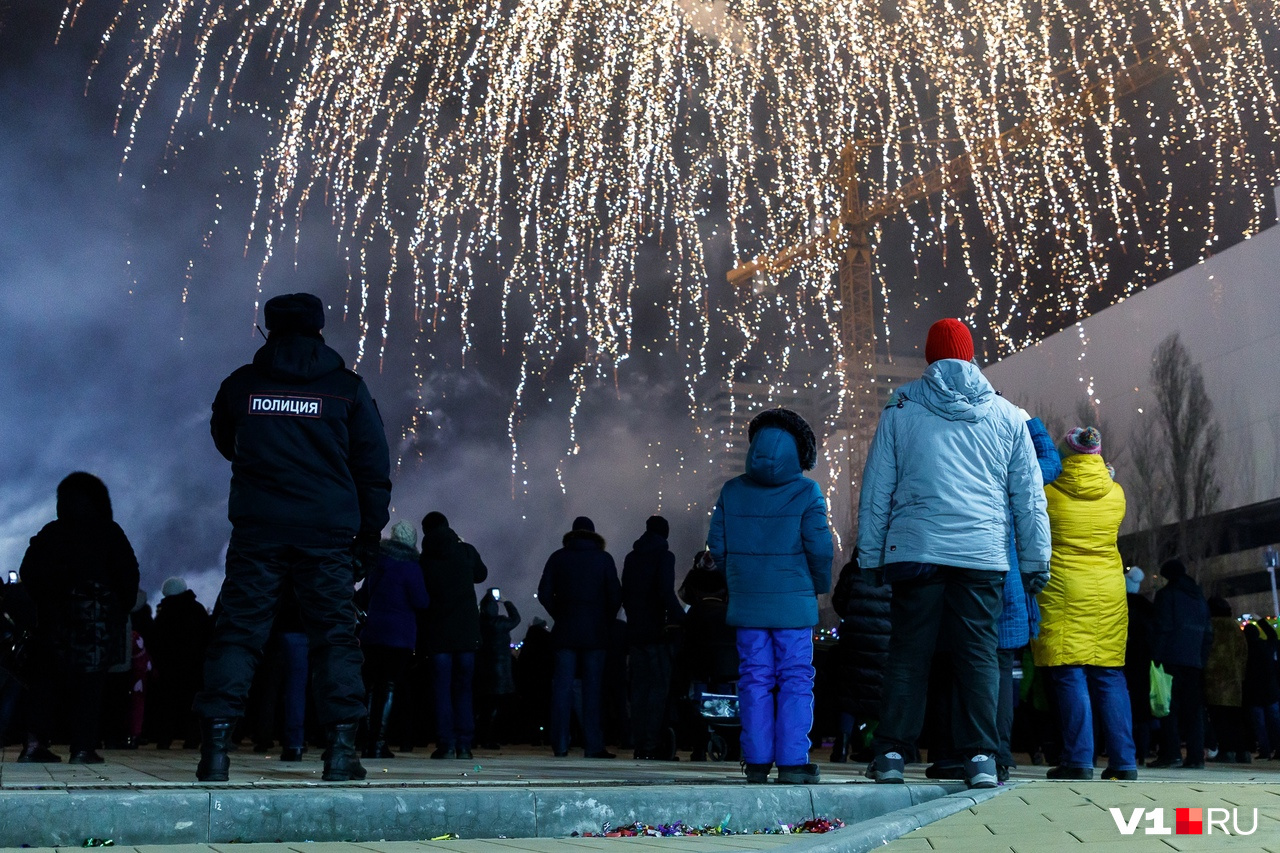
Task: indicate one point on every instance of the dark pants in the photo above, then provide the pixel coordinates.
(1004, 706)
(1229, 726)
(455, 719)
(294, 656)
(323, 583)
(1137, 675)
(650, 680)
(1186, 716)
(566, 667)
(958, 607)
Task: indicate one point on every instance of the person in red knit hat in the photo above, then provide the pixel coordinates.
(950, 474)
(948, 338)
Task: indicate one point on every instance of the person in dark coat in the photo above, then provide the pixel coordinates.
(1183, 638)
(1137, 661)
(450, 631)
(533, 671)
(649, 600)
(1262, 686)
(394, 594)
(495, 680)
(83, 576)
(581, 591)
(310, 486)
(179, 639)
(710, 648)
(769, 534)
(18, 622)
(861, 653)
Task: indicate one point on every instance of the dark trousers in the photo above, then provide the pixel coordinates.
(650, 666)
(455, 717)
(958, 607)
(566, 667)
(294, 656)
(1137, 675)
(1229, 726)
(1186, 716)
(323, 584)
(1004, 706)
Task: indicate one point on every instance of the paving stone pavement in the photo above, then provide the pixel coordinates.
(1051, 817)
(1029, 815)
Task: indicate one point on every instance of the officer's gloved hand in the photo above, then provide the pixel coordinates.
(364, 553)
(1035, 581)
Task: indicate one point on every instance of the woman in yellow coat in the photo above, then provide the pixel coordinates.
(1084, 617)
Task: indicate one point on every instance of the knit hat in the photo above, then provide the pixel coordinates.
(434, 520)
(1081, 440)
(404, 533)
(948, 338)
(806, 443)
(173, 586)
(657, 524)
(300, 313)
(1173, 569)
(1133, 579)
(584, 523)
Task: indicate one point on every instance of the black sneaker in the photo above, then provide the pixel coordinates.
(887, 768)
(604, 753)
(1079, 774)
(757, 774)
(464, 753)
(1120, 775)
(798, 774)
(443, 753)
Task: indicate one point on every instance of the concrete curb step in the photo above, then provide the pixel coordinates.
(211, 815)
(878, 831)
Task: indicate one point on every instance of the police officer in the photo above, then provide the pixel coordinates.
(310, 484)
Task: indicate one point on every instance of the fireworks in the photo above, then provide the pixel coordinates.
(554, 140)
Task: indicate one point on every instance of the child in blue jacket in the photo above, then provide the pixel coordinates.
(769, 535)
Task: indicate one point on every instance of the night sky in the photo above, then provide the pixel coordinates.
(128, 294)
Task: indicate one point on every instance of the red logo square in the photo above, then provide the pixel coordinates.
(1189, 821)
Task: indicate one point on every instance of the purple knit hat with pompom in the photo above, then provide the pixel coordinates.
(1084, 440)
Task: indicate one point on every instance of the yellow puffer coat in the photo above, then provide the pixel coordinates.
(1084, 617)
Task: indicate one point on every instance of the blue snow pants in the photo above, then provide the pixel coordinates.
(775, 730)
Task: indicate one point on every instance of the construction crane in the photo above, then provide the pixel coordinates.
(850, 234)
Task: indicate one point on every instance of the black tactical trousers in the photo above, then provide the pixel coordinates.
(959, 608)
(323, 582)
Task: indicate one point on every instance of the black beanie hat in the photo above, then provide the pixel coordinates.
(584, 523)
(300, 313)
(434, 521)
(806, 443)
(657, 524)
(1173, 569)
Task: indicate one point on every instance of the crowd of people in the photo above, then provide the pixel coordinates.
(982, 548)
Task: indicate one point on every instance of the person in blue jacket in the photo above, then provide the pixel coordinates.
(951, 468)
(769, 535)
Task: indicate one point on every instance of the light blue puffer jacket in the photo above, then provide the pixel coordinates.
(769, 535)
(949, 461)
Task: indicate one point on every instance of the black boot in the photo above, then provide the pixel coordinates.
(341, 760)
(379, 716)
(839, 749)
(215, 740)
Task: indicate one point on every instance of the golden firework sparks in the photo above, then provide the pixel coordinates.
(562, 136)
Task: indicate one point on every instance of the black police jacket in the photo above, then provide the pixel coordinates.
(308, 452)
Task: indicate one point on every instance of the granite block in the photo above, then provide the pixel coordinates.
(369, 814)
(66, 818)
(563, 811)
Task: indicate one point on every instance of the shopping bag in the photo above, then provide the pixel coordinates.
(1161, 691)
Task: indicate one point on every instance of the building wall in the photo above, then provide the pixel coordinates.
(1227, 311)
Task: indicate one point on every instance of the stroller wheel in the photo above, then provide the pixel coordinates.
(717, 749)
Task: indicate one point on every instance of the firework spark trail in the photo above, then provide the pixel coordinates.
(562, 136)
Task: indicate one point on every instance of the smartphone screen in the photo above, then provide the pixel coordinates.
(496, 593)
